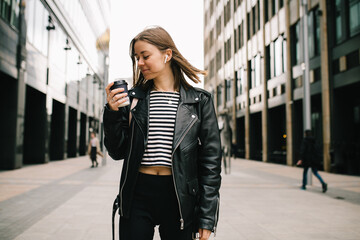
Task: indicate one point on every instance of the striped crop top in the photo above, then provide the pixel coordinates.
(162, 115)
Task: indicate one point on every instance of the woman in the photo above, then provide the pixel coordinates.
(94, 149)
(169, 142)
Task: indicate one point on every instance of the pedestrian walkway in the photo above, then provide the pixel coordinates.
(69, 200)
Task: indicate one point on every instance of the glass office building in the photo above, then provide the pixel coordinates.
(53, 69)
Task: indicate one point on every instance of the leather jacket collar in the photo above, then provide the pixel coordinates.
(187, 96)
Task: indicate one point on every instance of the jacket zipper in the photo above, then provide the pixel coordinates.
(172, 168)
(127, 168)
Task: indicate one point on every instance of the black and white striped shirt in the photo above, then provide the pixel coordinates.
(163, 108)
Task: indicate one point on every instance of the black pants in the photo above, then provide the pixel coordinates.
(154, 203)
(93, 155)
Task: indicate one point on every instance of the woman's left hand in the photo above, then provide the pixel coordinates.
(204, 234)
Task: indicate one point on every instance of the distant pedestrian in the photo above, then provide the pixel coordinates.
(309, 158)
(169, 140)
(226, 141)
(94, 150)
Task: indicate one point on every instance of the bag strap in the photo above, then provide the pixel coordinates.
(115, 208)
(116, 201)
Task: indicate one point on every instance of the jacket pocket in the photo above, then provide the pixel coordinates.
(193, 187)
(190, 146)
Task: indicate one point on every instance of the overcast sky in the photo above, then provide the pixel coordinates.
(183, 19)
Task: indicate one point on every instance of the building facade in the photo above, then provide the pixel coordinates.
(279, 67)
(53, 69)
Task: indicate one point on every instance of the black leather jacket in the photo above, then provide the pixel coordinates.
(196, 157)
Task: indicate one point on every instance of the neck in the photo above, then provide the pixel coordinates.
(165, 82)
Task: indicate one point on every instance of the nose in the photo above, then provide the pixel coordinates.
(140, 61)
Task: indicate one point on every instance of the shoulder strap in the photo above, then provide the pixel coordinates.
(133, 104)
(115, 208)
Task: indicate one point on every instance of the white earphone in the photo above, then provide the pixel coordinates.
(166, 57)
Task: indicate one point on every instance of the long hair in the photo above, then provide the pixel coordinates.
(161, 39)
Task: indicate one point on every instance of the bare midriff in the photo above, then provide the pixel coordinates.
(156, 170)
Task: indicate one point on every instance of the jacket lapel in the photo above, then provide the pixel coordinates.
(185, 118)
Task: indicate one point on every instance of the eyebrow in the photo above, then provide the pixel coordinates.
(142, 52)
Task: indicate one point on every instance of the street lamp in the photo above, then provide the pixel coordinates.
(306, 75)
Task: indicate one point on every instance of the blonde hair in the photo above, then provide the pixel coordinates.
(161, 39)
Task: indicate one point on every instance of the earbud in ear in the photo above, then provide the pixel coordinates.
(166, 57)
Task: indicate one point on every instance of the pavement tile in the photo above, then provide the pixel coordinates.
(68, 200)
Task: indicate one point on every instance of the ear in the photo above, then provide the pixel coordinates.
(168, 53)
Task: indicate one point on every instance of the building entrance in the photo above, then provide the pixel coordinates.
(35, 126)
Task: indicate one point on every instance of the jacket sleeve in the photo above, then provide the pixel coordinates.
(209, 166)
(116, 130)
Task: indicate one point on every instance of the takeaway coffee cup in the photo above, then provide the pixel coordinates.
(120, 83)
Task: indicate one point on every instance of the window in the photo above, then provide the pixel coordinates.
(258, 15)
(275, 7)
(354, 17)
(218, 60)
(266, 10)
(236, 42)
(281, 3)
(268, 62)
(219, 95)
(278, 57)
(227, 13)
(314, 33)
(228, 90)
(206, 18)
(255, 76)
(29, 14)
(9, 11)
(37, 17)
(241, 35)
(338, 21)
(212, 68)
(352, 59)
(218, 26)
(347, 19)
(248, 26)
(295, 44)
(227, 50)
(239, 82)
(15, 10)
(254, 22)
(6, 10)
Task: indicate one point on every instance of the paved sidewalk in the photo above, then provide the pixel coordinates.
(68, 200)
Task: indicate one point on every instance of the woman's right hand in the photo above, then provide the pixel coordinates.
(115, 97)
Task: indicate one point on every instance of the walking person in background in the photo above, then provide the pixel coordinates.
(309, 158)
(170, 143)
(94, 149)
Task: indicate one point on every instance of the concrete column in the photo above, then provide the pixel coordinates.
(20, 120)
(21, 88)
(234, 128)
(66, 128)
(325, 87)
(49, 109)
(289, 92)
(247, 103)
(78, 129)
(264, 113)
